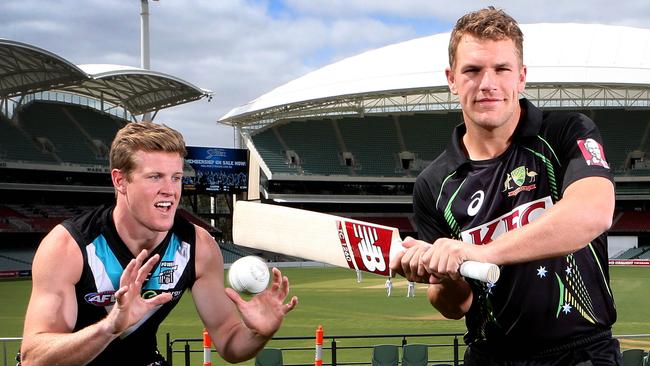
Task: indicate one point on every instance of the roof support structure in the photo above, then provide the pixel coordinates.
(26, 70)
(431, 100)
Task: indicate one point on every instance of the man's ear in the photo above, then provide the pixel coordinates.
(451, 81)
(119, 180)
(522, 78)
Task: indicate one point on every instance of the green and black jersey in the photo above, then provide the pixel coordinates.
(105, 257)
(536, 305)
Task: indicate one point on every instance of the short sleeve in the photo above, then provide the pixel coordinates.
(582, 152)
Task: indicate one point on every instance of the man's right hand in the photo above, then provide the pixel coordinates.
(130, 307)
(407, 263)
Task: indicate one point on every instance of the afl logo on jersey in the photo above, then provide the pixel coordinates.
(104, 298)
(476, 203)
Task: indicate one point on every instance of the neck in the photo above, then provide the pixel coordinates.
(134, 235)
(483, 144)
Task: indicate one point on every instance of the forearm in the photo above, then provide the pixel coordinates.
(242, 344)
(62, 349)
(452, 298)
(565, 228)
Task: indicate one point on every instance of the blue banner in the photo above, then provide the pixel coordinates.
(217, 169)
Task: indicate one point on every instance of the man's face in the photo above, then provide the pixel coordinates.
(154, 189)
(487, 78)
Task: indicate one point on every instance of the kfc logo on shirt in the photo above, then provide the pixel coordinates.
(593, 152)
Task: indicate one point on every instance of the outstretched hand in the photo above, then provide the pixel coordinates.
(130, 307)
(264, 312)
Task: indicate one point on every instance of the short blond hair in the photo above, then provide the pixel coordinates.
(489, 23)
(143, 136)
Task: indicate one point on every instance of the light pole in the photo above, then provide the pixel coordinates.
(144, 42)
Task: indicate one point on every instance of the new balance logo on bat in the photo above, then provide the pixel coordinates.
(369, 246)
(519, 216)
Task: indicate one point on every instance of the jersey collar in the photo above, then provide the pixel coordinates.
(529, 125)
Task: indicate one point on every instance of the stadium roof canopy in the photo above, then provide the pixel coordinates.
(569, 66)
(26, 69)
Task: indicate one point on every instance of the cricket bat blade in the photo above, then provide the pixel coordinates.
(330, 239)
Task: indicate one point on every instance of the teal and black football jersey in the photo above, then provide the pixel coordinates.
(537, 304)
(105, 256)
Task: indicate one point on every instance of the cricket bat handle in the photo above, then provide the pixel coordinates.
(485, 272)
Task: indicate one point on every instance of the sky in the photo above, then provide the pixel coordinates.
(242, 49)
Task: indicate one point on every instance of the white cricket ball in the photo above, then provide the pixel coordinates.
(249, 274)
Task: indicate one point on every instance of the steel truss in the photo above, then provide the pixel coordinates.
(439, 99)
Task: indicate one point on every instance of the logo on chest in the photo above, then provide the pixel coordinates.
(167, 270)
(104, 298)
(520, 179)
(520, 216)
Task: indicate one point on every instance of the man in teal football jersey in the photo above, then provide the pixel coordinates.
(105, 280)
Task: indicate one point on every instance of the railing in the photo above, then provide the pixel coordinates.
(334, 348)
(446, 340)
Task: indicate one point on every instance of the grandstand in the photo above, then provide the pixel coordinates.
(345, 147)
(56, 125)
(351, 137)
(320, 152)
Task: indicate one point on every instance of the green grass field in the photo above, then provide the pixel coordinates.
(333, 298)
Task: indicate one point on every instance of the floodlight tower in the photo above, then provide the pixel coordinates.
(144, 41)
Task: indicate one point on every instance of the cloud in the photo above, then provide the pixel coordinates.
(242, 49)
(448, 11)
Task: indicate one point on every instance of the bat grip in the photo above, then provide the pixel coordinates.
(486, 272)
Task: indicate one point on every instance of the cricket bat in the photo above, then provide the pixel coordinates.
(330, 239)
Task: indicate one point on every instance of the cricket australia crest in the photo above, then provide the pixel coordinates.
(519, 180)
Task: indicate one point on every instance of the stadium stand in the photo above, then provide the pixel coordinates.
(428, 134)
(373, 142)
(42, 218)
(232, 252)
(631, 221)
(38, 217)
(630, 253)
(51, 124)
(645, 254)
(16, 144)
(99, 125)
(273, 152)
(16, 259)
(317, 146)
(376, 144)
(23, 225)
